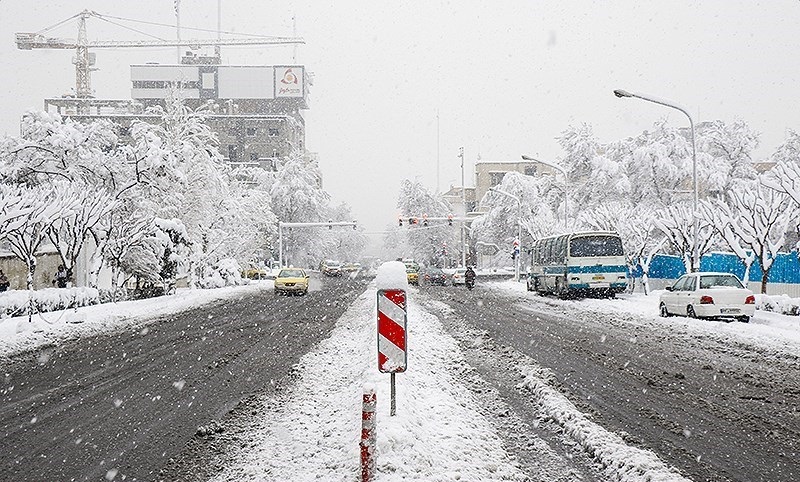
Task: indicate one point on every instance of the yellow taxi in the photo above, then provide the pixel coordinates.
(291, 280)
(412, 275)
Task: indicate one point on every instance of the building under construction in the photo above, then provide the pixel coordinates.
(255, 110)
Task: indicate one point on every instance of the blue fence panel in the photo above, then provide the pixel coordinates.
(785, 269)
(666, 266)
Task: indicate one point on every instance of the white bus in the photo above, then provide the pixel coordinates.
(578, 264)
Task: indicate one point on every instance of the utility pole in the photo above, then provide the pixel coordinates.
(437, 152)
(178, 25)
(464, 204)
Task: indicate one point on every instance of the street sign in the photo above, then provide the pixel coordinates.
(392, 331)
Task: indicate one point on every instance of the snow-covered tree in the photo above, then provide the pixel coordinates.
(297, 196)
(426, 243)
(499, 224)
(727, 150)
(70, 232)
(597, 173)
(753, 224)
(345, 243)
(676, 222)
(785, 176)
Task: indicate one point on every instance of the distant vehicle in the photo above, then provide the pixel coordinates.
(458, 276)
(330, 267)
(579, 264)
(256, 273)
(434, 276)
(708, 295)
(351, 267)
(291, 280)
(412, 275)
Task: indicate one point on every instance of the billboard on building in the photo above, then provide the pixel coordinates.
(289, 81)
(245, 82)
(154, 81)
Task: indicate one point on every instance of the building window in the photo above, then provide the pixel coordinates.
(253, 156)
(273, 132)
(233, 152)
(530, 170)
(495, 178)
(251, 131)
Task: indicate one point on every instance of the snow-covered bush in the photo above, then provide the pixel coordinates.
(226, 272)
(778, 304)
(15, 302)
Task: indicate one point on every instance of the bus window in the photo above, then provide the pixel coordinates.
(561, 249)
(594, 246)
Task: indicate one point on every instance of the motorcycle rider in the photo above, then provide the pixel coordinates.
(469, 277)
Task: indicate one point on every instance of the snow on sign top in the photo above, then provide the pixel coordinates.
(391, 276)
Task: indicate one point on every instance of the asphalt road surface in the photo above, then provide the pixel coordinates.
(715, 410)
(125, 403)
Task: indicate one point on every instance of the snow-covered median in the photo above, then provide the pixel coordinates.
(437, 434)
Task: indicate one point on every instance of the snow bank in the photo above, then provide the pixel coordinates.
(779, 304)
(391, 275)
(620, 461)
(15, 302)
(226, 272)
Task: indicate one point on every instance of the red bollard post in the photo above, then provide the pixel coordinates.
(368, 436)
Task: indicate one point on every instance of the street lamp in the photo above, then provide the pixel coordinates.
(464, 204)
(623, 93)
(519, 227)
(566, 182)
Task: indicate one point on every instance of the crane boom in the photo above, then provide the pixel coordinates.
(30, 41)
(83, 61)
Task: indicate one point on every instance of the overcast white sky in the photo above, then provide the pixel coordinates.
(505, 77)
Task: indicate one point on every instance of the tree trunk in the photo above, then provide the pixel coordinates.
(29, 285)
(764, 276)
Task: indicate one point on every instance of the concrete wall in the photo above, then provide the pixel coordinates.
(17, 273)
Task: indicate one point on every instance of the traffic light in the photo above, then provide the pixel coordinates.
(330, 226)
(355, 223)
(411, 221)
(400, 221)
(425, 220)
(449, 219)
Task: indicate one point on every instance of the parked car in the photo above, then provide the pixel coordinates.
(708, 295)
(458, 276)
(291, 280)
(434, 276)
(330, 267)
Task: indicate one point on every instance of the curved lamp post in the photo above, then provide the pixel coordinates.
(566, 182)
(519, 227)
(623, 93)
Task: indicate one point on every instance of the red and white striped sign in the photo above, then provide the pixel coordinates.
(391, 331)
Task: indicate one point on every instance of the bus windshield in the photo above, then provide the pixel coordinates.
(594, 246)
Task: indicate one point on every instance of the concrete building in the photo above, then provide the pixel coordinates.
(255, 111)
(490, 174)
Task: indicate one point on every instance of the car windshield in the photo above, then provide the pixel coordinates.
(435, 271)
(291, 273)
(719, 281)
(594, 246)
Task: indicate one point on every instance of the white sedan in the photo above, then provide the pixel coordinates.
(708, 295)
(459, 276)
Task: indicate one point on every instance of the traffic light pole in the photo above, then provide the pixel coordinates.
(329, 224)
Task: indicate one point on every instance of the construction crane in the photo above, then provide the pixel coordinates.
(84, 60)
